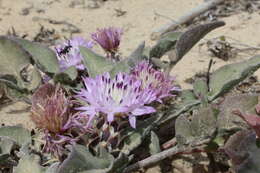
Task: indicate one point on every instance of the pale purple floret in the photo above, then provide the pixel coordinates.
(69, 54)
(56, 143)
(52, 113)
(121, 96)
(161, 83)
(108, 38)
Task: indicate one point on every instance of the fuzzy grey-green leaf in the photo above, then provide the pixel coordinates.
(80, 159)
(121, 66)
(227, 121)
(154, 144)
(201, 127)
(44, 57)
(165, 44)
(188, 100)
(14, 59)
(29, 164)
(200, 88)
(6, 145)
(226, 77)
(95, 63)
(67, 76)
(189, 38)
(243, 152)
(16, 133)
(136, 56)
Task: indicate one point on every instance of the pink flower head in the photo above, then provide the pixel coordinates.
(158, 81)
(121, 96)
(108, 38)
(50, 108)
(69, 54)
(51, 113)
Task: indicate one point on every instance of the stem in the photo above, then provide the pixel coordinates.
(185, 18)
(164, 154)
(208, 73)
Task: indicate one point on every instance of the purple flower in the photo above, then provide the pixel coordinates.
(69, 54)
(50, 108)
(161, 83)
(108, 38)
(56, 143)
(121, 96)
(51, 112)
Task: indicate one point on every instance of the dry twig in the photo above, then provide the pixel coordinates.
(185, 18)
(165, 154)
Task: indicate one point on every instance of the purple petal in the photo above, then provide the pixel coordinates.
(143, 110)
(132, 121)
(110, 117)
(91, 118)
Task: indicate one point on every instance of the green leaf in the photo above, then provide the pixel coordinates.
(137, 55)
(44, 57)
(243, 151)
(226, 77)
(227, 121)
(29, 164)
(16, 133)
(80, 159)
(188, 101)
(155, 144)
(159, 63)
(165, 44)
(133, 138)
(126, 64)
(6, 161)
(13, 61)
(187, 96)
(36, 79)
(53, 168)
(6, 145)
(189, 38)
(94, 63)
(14, 94)
(200, 88)
(201, 126)
(121, 66)
(66, 77)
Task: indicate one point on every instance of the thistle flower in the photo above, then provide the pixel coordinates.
(50, 109)
(118, 97)
(69, 54)
(55, 143)
(161, 83)
(51, 113)
(108, 39)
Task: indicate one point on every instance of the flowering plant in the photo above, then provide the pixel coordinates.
(93, 113)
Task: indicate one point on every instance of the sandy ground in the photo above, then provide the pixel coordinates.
(138, 23)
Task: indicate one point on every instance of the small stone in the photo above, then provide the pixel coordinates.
(93, 4)
(25, 11)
